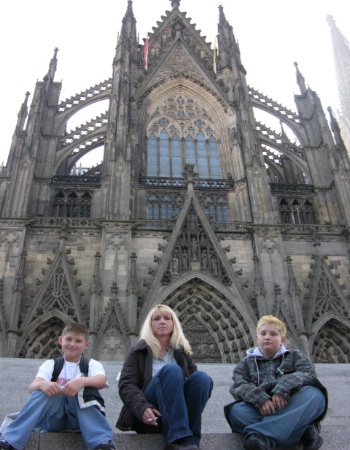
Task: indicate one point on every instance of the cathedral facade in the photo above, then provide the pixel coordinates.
(196, 204)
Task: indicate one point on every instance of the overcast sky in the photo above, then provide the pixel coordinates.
(272, 34)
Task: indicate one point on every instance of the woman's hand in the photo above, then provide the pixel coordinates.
(149, 417)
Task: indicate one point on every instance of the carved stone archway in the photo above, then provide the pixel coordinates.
(331, 344)
(212, 323)
(42, 340)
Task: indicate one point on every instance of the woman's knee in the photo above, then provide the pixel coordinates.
(171, 370)
(201, 378)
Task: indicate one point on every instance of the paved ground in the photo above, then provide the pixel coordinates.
(17, 374)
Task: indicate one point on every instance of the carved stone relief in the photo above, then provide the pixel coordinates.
(214, 326)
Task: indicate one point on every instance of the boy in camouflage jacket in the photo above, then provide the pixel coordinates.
(279, 400)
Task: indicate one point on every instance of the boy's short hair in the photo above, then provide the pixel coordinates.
(272, 320)
(76, 328)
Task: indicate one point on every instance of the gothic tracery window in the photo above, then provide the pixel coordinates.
(72, 204)
(215, 206)
(167, 205)
(164, 206)
(180, 132)
(298, 211)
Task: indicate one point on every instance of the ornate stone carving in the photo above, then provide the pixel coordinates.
(10, 238)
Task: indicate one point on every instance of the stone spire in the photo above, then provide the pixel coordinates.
(336, 130)
(53, 65)
(23, 113)
(300, 80)
(341, 51)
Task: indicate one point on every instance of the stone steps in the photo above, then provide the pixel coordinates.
(69, 441)
(16, 375)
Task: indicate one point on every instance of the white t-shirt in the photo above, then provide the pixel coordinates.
(158, 363)
(70, 370)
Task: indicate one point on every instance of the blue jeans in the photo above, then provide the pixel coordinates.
(287, 425)
(58, 413)
(180, 401)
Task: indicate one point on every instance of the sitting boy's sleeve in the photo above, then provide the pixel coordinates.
(300, 373)
(45, 371)
(245, 387)
(95, 368)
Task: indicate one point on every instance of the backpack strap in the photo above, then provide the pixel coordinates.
(58, 365)
(84, 366)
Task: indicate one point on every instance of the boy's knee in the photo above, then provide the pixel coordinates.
(233, 417)
(312, 394)
(42, 397)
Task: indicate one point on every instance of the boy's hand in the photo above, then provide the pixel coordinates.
(270, 406)
(73, 387)
(278, 401)
(49, 388)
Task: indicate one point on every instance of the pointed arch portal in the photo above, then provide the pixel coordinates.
(331, 344)
(41, 340)
(214, 327)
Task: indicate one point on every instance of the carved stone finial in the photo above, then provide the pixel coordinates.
(189, 175)
(175, 4)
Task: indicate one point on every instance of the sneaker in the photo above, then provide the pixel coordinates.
(105, 445)
(257, 441)
(311, 438)
(4, 445)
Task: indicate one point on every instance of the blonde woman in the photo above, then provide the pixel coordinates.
(160, 385)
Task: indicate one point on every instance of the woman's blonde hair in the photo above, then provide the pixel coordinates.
(272, 320)
(177, 338)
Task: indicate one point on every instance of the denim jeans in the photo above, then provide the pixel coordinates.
(180, 401)
(287, 425)
(58, 413)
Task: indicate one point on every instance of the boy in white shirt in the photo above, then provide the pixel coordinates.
(56, 402)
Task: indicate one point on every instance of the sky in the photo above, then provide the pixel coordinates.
(272, 35)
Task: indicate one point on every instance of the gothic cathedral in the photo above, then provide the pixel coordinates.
(196, 204)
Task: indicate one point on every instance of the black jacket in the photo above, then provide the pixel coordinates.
(135, 377)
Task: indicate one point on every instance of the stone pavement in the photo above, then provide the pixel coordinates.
(16, 375)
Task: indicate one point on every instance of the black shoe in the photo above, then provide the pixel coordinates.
(257, 441)
(311, 438)
(106, 445)
(180, 446)
(4, 445)
(315, 444)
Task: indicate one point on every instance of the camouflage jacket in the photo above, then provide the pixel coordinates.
(257, 378)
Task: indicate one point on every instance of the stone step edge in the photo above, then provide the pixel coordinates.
(132, 441)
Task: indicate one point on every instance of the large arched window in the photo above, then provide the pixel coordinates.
(180, 132)
(168, 155)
